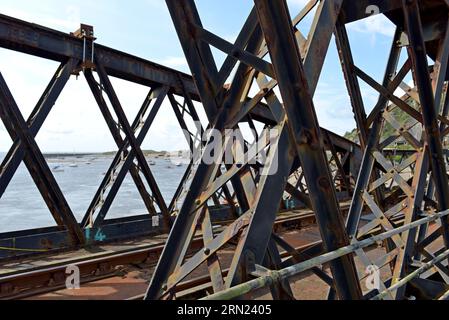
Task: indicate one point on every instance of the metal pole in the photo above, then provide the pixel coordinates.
(417, 50)
(274, 19)
(274, 276)
(412, 275)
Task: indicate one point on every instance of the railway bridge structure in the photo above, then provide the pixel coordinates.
(396, 198)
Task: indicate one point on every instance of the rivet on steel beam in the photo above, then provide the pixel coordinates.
(305, 137)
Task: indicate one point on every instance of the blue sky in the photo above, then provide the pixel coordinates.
(144, 28)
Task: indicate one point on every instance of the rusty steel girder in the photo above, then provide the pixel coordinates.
(79, 53)
(388, 195)
(315, 167)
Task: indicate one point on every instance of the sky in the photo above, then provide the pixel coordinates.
(144, 28)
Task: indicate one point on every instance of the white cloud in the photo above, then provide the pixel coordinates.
(75, 123)
(373, 26)
(70, 22)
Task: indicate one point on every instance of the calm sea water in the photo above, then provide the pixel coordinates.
(22, 207)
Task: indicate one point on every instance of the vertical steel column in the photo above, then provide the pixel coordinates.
(352, 82)
(440, 72)
(417, 52)
(355, 211)
(274, 19)
(203, 68)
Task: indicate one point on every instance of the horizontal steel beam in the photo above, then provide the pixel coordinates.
(46, 43)
(52, 240)
(39, 41)
(36, 40)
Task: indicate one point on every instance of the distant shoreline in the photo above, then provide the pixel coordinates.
(69, 155)
(147, 153)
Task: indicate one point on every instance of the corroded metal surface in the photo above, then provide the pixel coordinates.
(388, 193)
(390, 187)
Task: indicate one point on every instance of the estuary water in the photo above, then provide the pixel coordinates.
(22, 206)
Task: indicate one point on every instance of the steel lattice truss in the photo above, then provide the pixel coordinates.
(394, 193)
(98, 64)
(305, 164)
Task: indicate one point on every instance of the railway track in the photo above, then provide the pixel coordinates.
(19, 284)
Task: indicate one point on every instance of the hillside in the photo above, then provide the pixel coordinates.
(388, 130)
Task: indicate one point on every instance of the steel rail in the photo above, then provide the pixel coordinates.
(38, 277)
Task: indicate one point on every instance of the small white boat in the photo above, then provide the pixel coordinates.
(178, 164)
(152, 163)
(73, 165)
